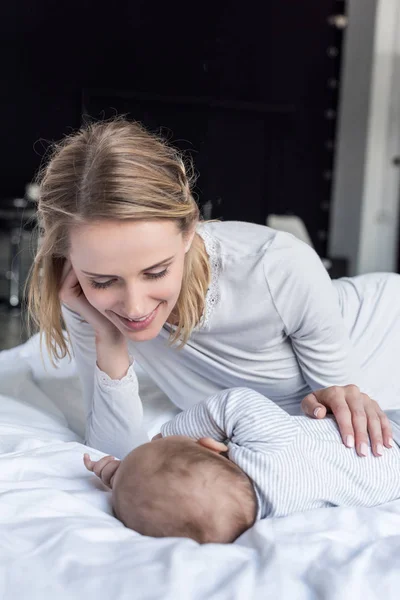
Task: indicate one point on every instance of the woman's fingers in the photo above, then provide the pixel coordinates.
(360, 419)
(387, 433)
(73, 297)
(69, 279)
(371, 426)
(316, 404)
(360, 423)
(70, 288)
(353, 432)
(312, 407)
(375, 432)
(67, 268)
(379, 429)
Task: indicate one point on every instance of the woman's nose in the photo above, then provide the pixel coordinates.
(134, 304)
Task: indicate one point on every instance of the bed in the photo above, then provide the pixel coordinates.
(59, 539)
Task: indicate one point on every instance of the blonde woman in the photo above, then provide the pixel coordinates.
(126, 262)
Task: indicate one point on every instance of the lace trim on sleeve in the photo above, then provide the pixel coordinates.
(213, 294)
(128, 379)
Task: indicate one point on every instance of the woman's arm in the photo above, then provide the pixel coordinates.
(307, 304)
(308, 307)
(111, 397)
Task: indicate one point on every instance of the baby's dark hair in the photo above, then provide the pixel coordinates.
(172, 488)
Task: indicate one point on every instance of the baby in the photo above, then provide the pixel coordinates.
(187, 483)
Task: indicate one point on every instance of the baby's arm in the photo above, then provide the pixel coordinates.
(239, 414)
(205, 419)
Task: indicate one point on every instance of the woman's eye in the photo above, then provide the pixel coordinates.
(157, 275)
(105, 284)
(101, 285)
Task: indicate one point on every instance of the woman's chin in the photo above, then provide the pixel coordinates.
(143, 336)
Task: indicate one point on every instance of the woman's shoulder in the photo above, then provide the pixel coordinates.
(239, 238)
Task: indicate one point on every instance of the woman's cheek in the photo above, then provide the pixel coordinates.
(172, 285)
(169, 290)
(98, 298)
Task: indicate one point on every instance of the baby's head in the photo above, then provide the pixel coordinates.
(177, 487)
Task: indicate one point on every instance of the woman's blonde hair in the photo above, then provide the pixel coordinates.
(112, 170)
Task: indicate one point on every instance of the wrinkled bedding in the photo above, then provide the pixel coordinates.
(59, 539)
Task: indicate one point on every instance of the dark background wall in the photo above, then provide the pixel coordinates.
(274, 66)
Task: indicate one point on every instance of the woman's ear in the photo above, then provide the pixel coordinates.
(213, 445)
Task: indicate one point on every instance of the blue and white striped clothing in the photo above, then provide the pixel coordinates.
(295, 463)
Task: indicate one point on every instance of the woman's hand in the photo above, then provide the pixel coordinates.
(357, 415)
(71, 294)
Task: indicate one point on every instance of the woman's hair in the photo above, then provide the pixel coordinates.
(112, 170)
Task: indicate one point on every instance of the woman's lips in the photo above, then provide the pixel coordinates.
(138, 325)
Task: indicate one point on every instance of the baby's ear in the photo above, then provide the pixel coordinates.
(213, 445)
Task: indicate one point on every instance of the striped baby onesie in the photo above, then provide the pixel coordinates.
(295, 463)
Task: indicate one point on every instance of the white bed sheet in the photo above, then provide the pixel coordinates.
(58, 538)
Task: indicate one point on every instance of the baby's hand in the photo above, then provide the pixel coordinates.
(105, 468)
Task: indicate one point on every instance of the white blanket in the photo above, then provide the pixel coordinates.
(59, 540)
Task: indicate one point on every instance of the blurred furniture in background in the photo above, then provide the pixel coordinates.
(17, 225)
(336, 267)
(253, 102)
(291, 224)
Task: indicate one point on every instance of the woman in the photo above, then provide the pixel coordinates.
(201, 306)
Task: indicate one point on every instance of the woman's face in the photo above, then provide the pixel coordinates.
(131, 271)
